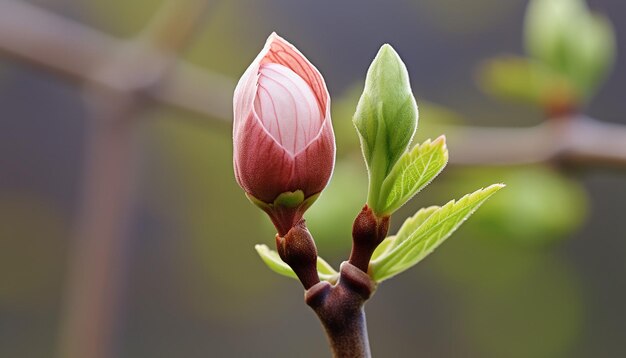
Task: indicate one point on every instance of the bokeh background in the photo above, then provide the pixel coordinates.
(537, 272)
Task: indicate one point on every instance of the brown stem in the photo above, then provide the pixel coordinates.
(297, 249)
(368, 231)
(340, 308)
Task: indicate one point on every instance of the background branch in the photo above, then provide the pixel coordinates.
(74, 51)
(578, 141)
(116, 84)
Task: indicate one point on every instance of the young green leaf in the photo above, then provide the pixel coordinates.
(411, 224)
(437, 226)
(383, 247)
(412, 173)
(274, 262)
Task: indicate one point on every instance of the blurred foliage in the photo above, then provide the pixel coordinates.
(571, 50)
(120, 17)
(538, 207)
(521, 79)
(570, 40)
(512, 302)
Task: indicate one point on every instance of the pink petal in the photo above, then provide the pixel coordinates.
(314, 166)
(284, 53)
(287, 107)
(262, 167)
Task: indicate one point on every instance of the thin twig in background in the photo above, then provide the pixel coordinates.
(579, 142)
(115, 92)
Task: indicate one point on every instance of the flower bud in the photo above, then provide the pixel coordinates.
(284, 146)
(385, 118)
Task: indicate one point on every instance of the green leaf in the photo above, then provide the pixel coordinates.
(325, 270)
(276, 264)
(436, 227)
(385, 119)
(411, 224)
(273, 261)
(383, 247)
(412, 173)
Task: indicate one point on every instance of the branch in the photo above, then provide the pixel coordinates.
(116, 86)
(74, 51)
(579, 141)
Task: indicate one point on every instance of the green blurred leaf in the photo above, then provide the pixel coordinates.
(385, 118)
(539, 207)
(412, 173)
(595, 44)
(521, 79)
(274, 262)
(435, 229)
(569, 39)
(548, 28)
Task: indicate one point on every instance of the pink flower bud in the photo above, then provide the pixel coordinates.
(283, 137)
